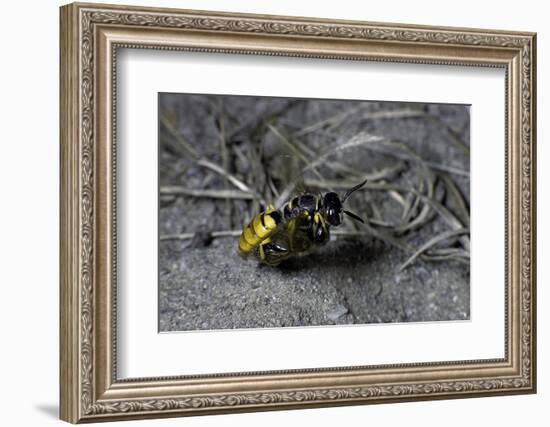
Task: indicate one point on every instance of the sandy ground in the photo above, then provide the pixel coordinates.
(203, 284)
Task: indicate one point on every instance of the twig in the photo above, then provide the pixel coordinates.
(444, 254)
(412, 206)
(213, 194)
(339, 118)
(354, 142)
(333, 121)
(432, 165)
(378, 175)
(214, 234)
(380, 223)
(223, 148)
(410, 155)
(216, 168)
(448, 251)
(398, 198)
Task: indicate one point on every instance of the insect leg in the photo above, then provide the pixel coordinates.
(273, 253)
(261, 252)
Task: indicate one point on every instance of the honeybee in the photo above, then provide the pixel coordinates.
(302, 224)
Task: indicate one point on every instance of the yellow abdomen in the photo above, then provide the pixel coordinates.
(258, 230)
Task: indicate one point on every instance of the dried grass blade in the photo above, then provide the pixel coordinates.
(214, 234)
(333, 121)
(208, 193)
(432, 242)
(219, 170)
(453, 191)
(354, 142)
(179, 137)
(385, 173)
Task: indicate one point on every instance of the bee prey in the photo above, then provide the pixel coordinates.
(297, 228)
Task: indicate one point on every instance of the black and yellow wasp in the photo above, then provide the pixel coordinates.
(298, 227)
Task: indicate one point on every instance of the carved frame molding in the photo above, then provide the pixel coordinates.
(90, 36)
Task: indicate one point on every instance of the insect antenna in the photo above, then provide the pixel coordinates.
(354, 216)
(352, 190)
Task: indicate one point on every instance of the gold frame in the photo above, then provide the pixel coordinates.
(90, 36)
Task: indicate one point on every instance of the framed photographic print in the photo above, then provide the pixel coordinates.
(266, 212)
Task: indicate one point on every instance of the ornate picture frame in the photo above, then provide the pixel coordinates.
(90, 37)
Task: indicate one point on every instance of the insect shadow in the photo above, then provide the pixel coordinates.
(341, 254)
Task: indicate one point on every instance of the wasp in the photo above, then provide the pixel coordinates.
(301, 225)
